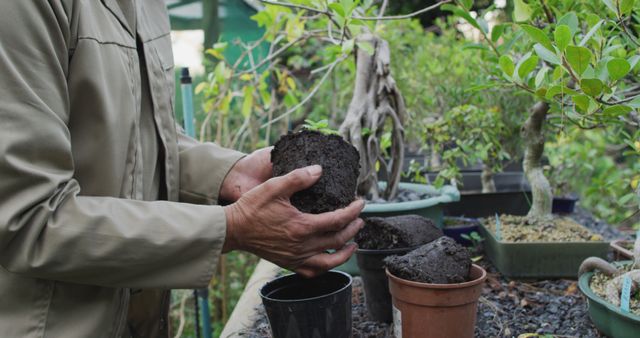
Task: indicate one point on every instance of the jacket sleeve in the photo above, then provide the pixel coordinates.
(47, 229)
(203, 167)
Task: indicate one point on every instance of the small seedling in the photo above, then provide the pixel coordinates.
(320, 126)
(474, 238)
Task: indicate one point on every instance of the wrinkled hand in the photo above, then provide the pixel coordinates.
(264, 222)
(249, 172)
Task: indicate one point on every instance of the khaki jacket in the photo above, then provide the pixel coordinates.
(75, 236)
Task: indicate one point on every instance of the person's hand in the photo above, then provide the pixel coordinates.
(249, 172)
(264, 222)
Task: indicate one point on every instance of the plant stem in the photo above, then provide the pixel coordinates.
(532, 132)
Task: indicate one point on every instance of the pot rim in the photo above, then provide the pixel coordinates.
(386, 251)
(473, 282)
(347, 285)
(584, 283)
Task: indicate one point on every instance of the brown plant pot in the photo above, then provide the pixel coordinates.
(619, 250)
(423, 310)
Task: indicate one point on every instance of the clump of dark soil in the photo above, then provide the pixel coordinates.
(397, 232)
(442, 261)
(340, 163)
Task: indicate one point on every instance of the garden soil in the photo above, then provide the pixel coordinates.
(340, 163)
(397, 232)
(442, 261)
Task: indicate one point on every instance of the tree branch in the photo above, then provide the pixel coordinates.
(400, 17)
(308, 97)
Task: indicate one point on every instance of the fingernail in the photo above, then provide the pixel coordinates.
(361, 205)
(314, 170)
(361, 221)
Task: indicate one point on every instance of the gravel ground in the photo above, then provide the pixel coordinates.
(506, 308)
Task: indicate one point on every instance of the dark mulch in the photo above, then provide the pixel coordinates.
(507, 308)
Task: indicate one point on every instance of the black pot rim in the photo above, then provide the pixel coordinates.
(385, 251)
(294, 275)
(473, 222)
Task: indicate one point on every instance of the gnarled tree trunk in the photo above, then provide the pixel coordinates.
(488, 184)
(533, 135)
(376, 100)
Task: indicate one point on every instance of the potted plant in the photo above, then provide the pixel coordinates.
(559, 171)
(435, 290)
(578, 84)
(379, 239)
(460, 229)
(602, 283)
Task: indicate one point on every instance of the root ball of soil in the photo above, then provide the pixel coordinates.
(397, 232)
(340, 163)
(442, 261)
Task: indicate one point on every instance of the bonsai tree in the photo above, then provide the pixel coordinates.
(341, 31)
(579, 65)
(614, 286)
(472, 135)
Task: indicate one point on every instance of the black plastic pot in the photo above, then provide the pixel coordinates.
(316, 307)
(564, 205)
(456, 227)
(376, 284)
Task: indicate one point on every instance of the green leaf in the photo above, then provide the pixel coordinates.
(618, 68)
(571, 20)
(526, 66)
(590, 33)
(591, 87)
(626, 6)
(247, 103)
(562, 36)
(582, 102)
(463, 14)
(497, 31)
(506, 64)
(579, 58)
(617, 110)
(546, 54)
(338, 9)
(537, 35)
(635, 103)
(366, 46)
(347, 46)
(633, 61)
(467, 4)
(541, 75)
(521, 11)
(610, 5)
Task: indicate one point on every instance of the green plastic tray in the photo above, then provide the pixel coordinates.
(539, 260)
(606, 317)
(430, 208)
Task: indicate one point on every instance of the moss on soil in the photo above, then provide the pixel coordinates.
(559, 229)
(599, 283)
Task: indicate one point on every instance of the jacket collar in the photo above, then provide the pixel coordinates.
(115, 9)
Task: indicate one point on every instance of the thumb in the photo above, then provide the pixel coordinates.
(296, 180)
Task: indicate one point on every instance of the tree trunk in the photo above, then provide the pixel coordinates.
(533, 135)
(488, 184)
(376, 100)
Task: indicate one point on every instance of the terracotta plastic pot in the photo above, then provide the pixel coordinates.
(376, 285)
(423, 310)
